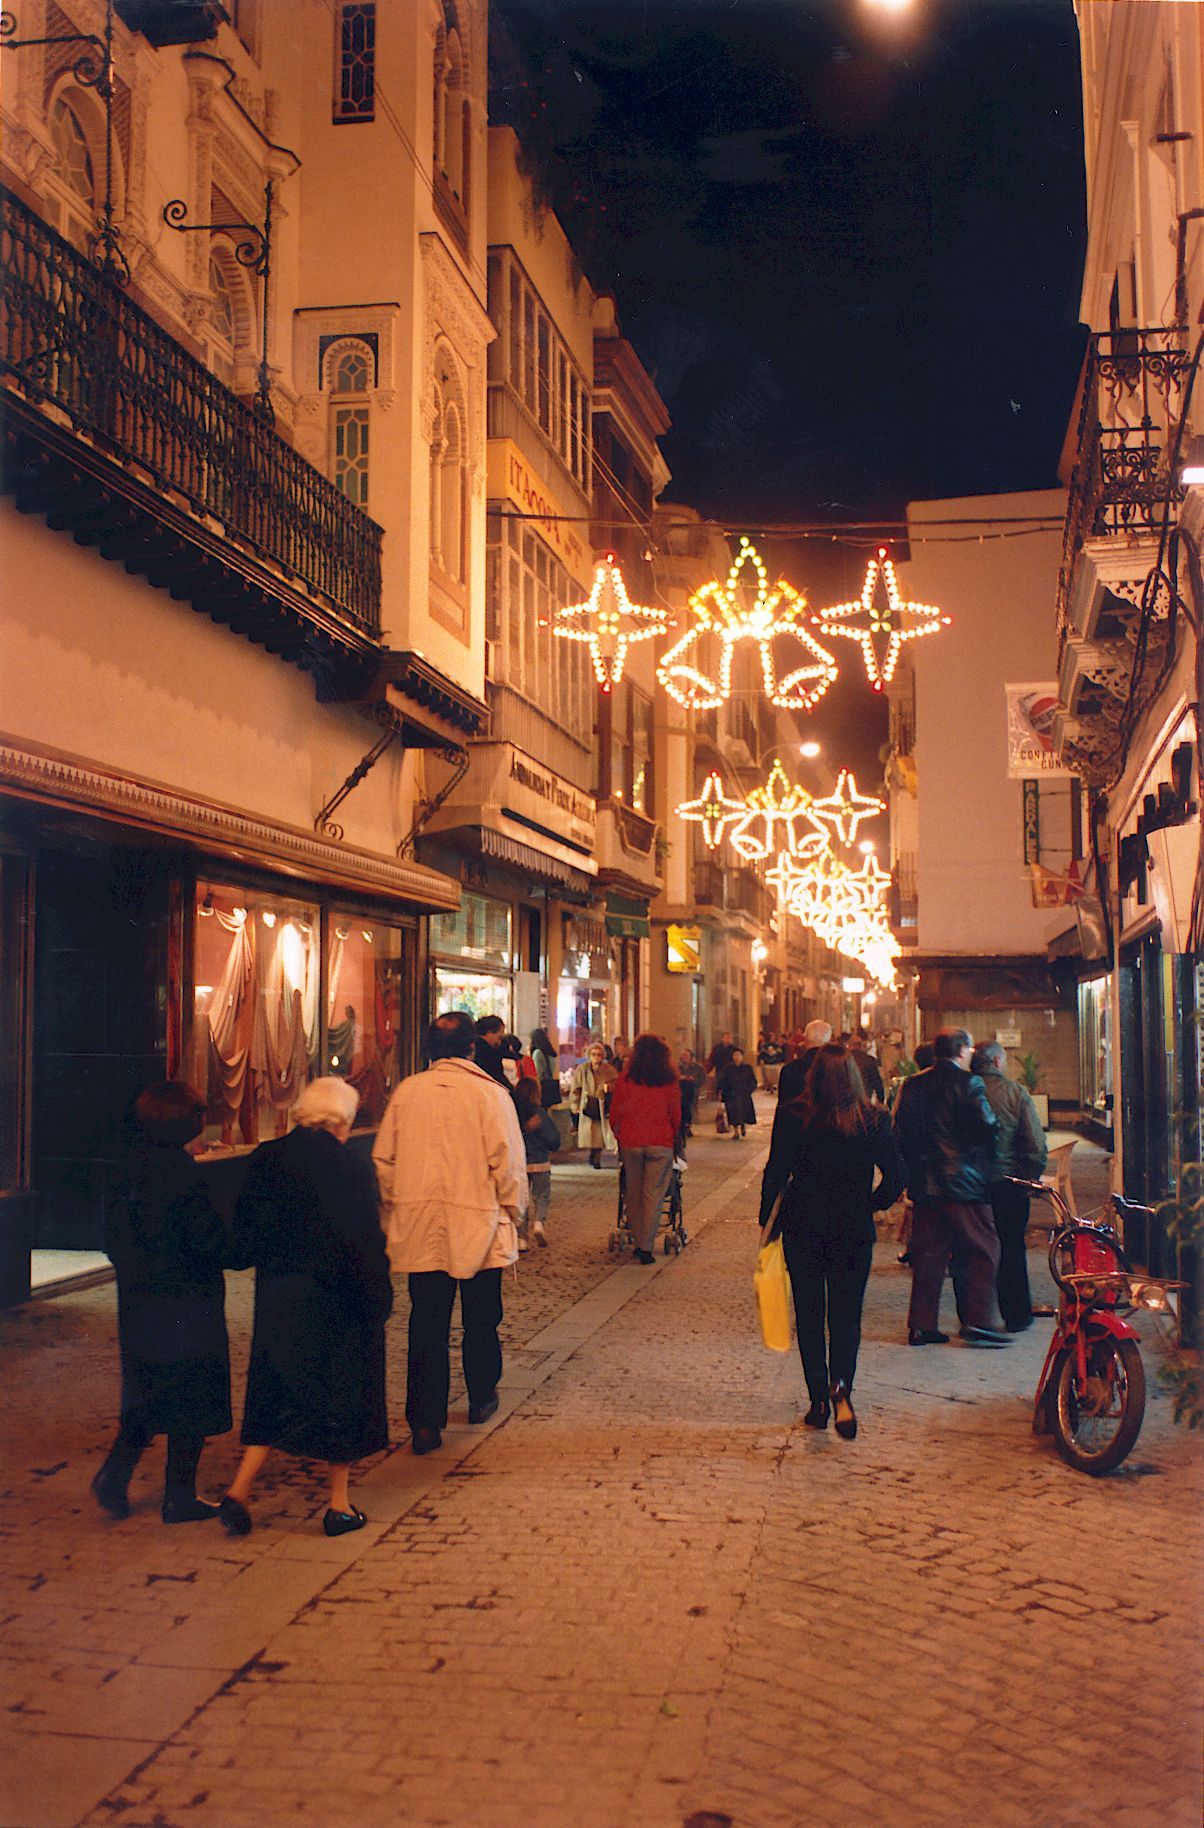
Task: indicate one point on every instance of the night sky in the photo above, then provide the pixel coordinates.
(847, 246)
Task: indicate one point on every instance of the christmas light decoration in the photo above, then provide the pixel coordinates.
(609, 621)
(746, 609)
(713, 811)
(880, 628)
(845, 809)
(776, 805)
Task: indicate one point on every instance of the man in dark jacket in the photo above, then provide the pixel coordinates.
(1021, 1151)
(947, 1134)
(817, 1034)
(487, 1048)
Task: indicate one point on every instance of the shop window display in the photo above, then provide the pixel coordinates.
(363, 1010)
(255, 1018)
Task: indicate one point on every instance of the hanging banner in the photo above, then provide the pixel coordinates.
(1053, 891)
(1030, 715)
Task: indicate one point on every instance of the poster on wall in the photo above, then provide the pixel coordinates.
(1030, 714)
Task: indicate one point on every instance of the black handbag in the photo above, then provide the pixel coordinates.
(592, 1108)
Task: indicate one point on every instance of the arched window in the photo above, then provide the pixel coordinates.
(449, 472)
(453, 114)
(233, 328)
(74, 152)
(348, 374)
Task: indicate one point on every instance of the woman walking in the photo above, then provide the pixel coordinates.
(736, 1084)
(588, 1094)
(645, 1115)
(543, 1053)
(167, 1245)
(826, 1144)
(308, 1219)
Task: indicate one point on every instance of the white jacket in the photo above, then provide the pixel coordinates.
(453, 1176)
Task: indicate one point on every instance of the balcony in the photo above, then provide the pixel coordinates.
(1133, 395)
(117, 435)
(904, 901)
(625, 849)
(734, 891)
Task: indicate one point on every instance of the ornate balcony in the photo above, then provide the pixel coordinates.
(1133, 390)
(625, 849)
(116, 434)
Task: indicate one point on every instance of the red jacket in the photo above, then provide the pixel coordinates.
(645, 1116)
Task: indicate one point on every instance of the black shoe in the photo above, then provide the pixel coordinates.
(425, 1440)
(983, 1336)
(481, 1412)
(341, 1523)
(845, 1425)
(927, 1336)
(189, 1509)
(234, 1516)
(111, 1493)
(817, 1416)
(644, 1256)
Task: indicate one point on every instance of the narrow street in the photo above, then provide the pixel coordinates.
(644, 1596)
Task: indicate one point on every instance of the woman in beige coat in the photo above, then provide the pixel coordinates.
(592, 1081)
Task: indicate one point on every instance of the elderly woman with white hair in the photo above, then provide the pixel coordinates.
(308, 1220)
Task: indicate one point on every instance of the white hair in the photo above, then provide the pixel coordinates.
(817, 1033)
(325, 1104)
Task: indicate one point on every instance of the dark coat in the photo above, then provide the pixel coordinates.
(948, 1134)
(790, 1080)
(826, 1178)
(736, 1087)
(167, 1244)
(308, 1219)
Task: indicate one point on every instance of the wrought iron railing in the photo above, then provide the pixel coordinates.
(71, 339)
(1131, 405)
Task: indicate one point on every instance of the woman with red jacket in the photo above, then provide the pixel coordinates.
(645, 1115)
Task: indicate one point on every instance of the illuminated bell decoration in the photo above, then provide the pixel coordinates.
(881, 628)
(713, 811)
(732, 613)
(845, 809)
(609, 621)
(776, 805)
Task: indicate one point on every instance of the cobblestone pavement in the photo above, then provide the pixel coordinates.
(643, 1596)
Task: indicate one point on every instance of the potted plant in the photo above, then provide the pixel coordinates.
(1028, 1071)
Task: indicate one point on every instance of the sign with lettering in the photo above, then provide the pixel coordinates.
(511, 478)
(684, 948)
(1030, 713)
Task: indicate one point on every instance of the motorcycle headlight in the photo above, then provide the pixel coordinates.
(1149, 1295)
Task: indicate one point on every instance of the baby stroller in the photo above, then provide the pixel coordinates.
(673, 1230)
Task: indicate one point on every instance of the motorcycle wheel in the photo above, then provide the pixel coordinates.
(1095, 1427)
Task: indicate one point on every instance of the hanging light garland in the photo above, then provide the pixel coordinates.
(713, 811)
(845, 809)
(746, 609)
(881, 628)
(609, 621)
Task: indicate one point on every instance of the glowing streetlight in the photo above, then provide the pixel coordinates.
(810, 750)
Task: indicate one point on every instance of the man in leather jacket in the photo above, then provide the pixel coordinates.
(947, 1135)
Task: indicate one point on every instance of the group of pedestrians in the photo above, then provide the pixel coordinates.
(960, 1131)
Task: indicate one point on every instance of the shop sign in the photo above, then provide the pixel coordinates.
(540, 795)
(1030, 726)
(511, 478)
(684, 948)
(1008, 1037)
(1032, 821)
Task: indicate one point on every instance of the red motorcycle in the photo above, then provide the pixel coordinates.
(1091, 1395)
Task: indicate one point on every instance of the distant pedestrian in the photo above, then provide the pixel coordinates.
(453, 1179)
(771, 1057)
(588, 1096)
(543, 1053)
(618, 1051)
(488, 1049)
(691, 1079)
(947, 1132)
(167, 1245)
(868, 1067)
(1021, 1151)
(825, 1147)
(540, 1138)
(737, 1083)
(645, 1114)
(308, 1220)
(721, 1054)
(817, 1034)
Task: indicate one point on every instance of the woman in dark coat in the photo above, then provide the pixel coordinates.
(308, 1219)
(826, 1145)
(167, 1244)
(737, 1083)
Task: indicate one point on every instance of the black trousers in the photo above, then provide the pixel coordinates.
(1010, 1206)
(428, 1378)
(828, 1274)
(183, 1456)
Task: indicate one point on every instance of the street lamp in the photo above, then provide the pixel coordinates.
(810, 750)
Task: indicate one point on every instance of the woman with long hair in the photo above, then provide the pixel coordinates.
(826, 1145)
(645, 1115)
(543, 1053)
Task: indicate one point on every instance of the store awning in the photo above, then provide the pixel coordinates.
(526, 857)
(627, 918)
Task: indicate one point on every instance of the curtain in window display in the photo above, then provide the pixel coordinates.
(229, 1052)
(284, 1038)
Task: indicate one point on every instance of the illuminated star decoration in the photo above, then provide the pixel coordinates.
(845, 809)
(609, 621)
(746, 609)
(713, 811)
(880, 628)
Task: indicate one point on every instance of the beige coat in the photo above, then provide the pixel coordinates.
(453, 1177)
(592, 1132)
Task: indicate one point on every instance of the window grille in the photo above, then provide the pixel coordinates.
(355, 93)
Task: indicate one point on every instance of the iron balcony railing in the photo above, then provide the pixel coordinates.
(71, 339)
(1132, 402)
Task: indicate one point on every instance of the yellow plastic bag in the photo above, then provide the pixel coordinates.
(771, 1285)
